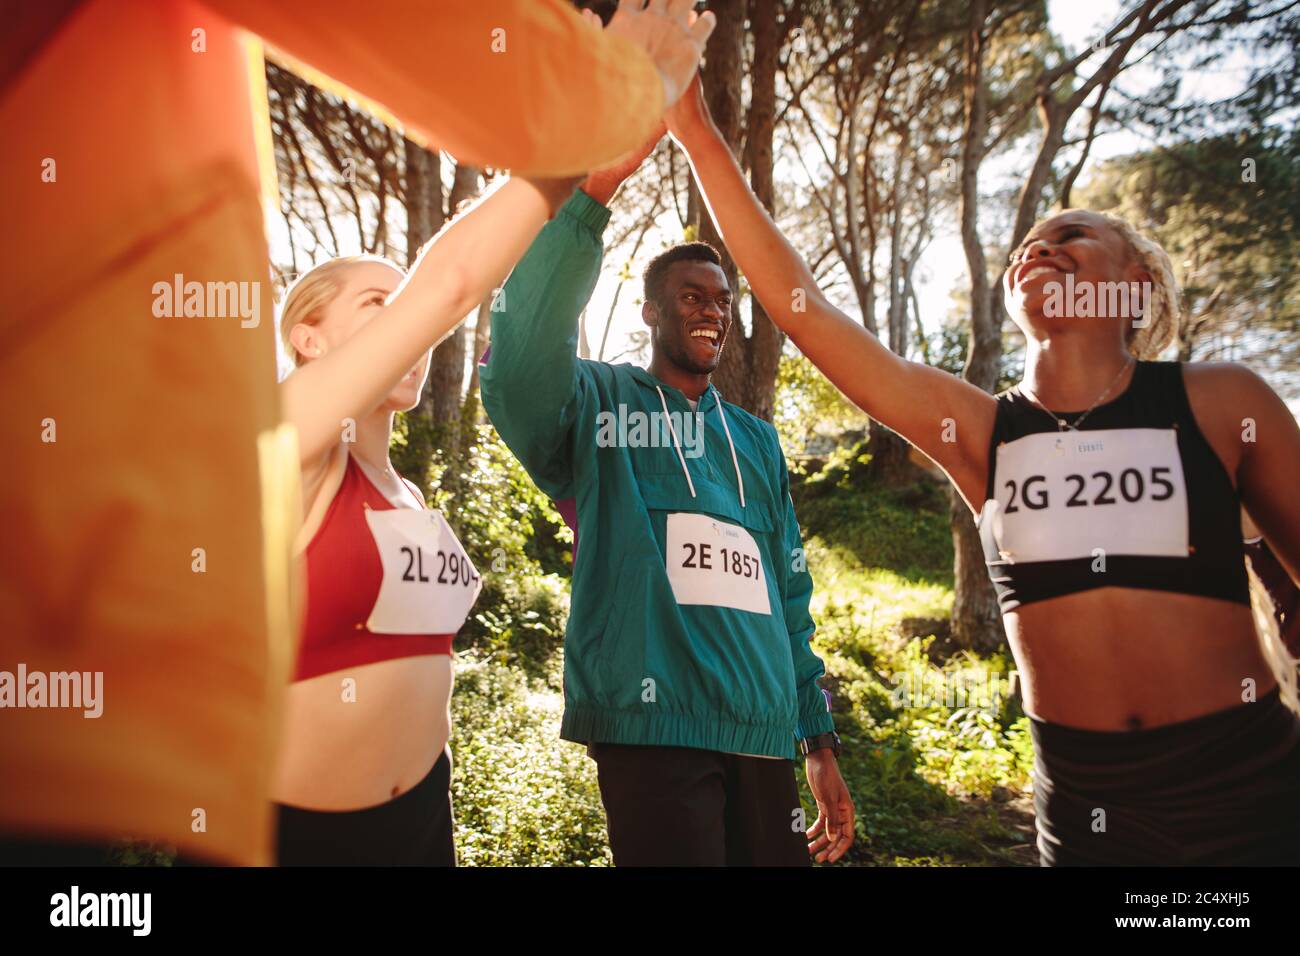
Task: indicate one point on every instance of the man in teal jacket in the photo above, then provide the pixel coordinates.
(687, 665)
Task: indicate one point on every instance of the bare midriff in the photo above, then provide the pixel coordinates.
(360, 737)
(1127, 659)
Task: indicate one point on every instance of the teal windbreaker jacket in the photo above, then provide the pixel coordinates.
(640, 667)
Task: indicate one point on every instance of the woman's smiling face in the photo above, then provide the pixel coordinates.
(1072, 250)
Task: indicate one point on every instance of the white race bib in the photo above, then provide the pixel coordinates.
(1063, 495)
(713, 562)
(429, 581)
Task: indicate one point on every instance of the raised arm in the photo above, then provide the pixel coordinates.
(529, 382)
(518, 84)
(947, 418)
(453, 273)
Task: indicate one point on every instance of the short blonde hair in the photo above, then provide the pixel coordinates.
(1164, 306)
(312, 291)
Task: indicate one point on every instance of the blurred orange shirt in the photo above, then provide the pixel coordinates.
(150, 540)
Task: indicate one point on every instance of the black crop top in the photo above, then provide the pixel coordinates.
(1136, 498)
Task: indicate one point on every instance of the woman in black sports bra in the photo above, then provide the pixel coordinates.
(1107, 491)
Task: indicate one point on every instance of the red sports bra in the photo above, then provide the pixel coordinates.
(345, 574)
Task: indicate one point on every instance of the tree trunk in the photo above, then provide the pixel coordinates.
(747, 372)
(442, 396)
(482, 336)
(423, 197)
(720, 77)
(976, 619)
(424, 217)
(890, 461)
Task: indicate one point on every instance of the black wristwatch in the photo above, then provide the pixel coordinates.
(821, 742)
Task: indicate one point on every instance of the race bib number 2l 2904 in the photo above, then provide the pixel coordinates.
(429, 582)
(1064, 495)
(713, 562)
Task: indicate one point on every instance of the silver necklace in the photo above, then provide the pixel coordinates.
(1061, 423)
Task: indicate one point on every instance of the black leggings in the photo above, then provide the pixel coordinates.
(414, 829)
(1218, 790)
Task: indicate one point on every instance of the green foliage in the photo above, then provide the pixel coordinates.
(808, 405)
(140, 853)
(500, 516)
(928, 746)
(521, 796)
(518, 619)
(902, 529)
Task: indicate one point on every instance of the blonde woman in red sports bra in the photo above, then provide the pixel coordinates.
(364, 770)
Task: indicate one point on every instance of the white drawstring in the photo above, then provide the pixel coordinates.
(676, 444)
(740, 481)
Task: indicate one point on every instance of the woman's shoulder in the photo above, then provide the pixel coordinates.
(1222, 388)
(1230, 403)
(320, 484)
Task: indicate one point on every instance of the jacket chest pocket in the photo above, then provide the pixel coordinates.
(714, 550)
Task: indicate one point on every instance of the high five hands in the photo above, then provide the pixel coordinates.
(689, 117)
(601, 184)
(669, 32)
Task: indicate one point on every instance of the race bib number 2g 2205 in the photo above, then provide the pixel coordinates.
(429, 583)
(713, 562)
(1063, 495)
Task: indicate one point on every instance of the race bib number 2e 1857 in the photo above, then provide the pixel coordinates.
(1063, 495)
(713, 562)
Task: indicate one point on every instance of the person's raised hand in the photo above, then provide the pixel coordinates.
(601, 184)
(670, 34)
(689, 116)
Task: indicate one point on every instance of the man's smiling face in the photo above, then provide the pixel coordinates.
(692, 315)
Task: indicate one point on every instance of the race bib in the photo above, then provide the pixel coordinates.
(713, 562)
(429, 581)
(1063, 495)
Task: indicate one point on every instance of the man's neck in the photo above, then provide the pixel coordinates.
(690, 384)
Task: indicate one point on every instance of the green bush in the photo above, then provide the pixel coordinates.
(904, 529)
(500, 516)
(518, 619)
(522, 796)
